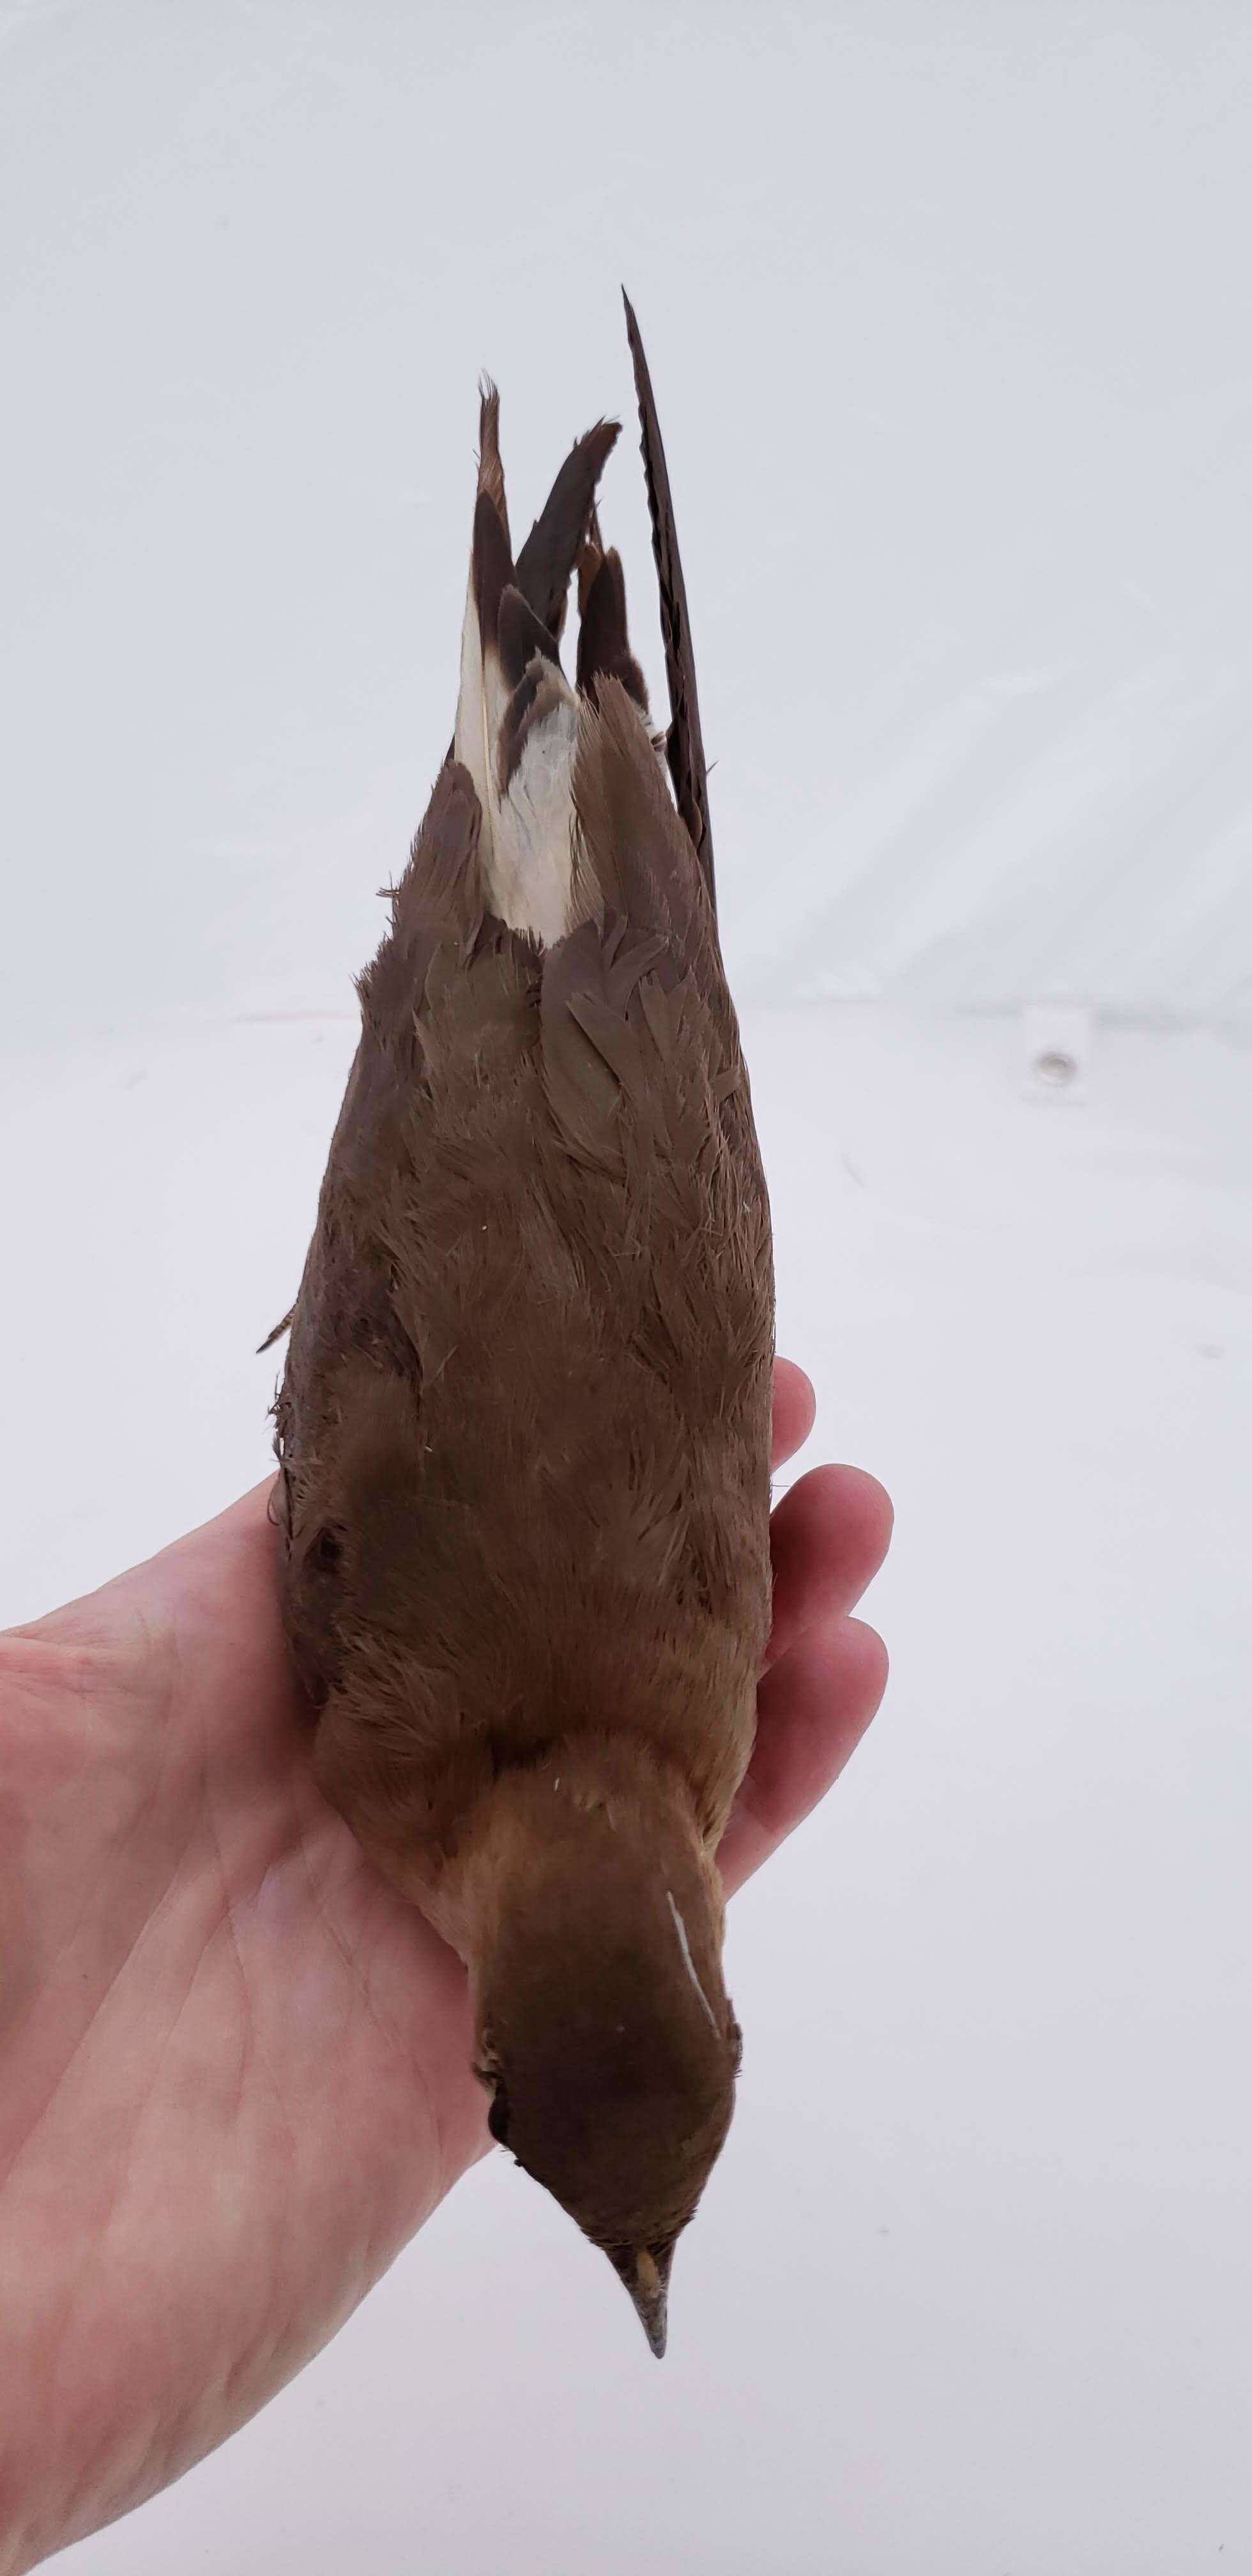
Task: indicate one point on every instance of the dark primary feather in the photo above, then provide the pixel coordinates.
(521, 634)
(493, 566)
(546, 563)
(490, 469)
(603, 640)
(547, 559)
(685, 743)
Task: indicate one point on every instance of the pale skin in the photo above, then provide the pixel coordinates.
(235, 2068)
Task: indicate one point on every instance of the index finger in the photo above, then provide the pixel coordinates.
(795, 1406)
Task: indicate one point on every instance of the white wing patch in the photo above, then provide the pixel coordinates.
(531, 868)
(526, 847)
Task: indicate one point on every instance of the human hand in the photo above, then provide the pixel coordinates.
(234, 2066)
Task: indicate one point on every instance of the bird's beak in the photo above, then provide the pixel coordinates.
(645, 2272)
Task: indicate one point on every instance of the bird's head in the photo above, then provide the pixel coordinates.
(604, 2032)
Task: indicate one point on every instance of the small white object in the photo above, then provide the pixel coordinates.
(1056, 1050)
(689, 1963)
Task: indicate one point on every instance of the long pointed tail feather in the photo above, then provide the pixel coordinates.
(685, 746)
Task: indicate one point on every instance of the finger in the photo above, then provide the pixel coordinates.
(828, 1538)
(794, 1408)
(813, 1710)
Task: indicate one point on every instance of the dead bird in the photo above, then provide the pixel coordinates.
(524, 1422)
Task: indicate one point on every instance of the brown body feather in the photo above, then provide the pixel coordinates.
(524, 1432)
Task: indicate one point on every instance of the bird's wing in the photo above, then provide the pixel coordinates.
(644, 1076)
(348, 1337)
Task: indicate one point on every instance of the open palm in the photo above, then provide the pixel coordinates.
(234, 2066)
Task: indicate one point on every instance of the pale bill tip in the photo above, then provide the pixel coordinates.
(647, 2280)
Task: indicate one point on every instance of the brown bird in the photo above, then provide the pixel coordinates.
(524, 1423)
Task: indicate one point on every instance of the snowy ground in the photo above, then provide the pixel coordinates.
(969, 2294)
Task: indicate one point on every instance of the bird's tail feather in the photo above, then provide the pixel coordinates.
(552, 549)
(517, 724)
(684, 743)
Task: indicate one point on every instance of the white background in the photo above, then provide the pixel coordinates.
(948, 308)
